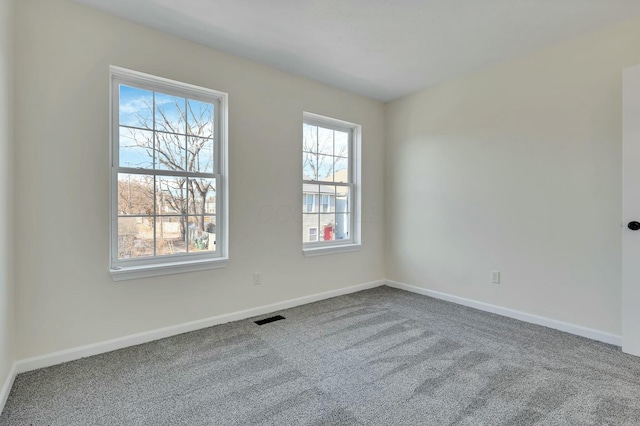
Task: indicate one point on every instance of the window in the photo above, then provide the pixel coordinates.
(310, 202)
(325, 202)
(330, 185)
(168, 176)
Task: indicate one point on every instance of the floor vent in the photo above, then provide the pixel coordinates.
(270, 319)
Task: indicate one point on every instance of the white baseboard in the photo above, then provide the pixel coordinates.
(6, 386)
(72, 354)
(589, 333)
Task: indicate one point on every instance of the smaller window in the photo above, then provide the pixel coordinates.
(330, 185)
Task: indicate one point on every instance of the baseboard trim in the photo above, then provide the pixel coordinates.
(589, 333)
(7, 385)
(73, 354)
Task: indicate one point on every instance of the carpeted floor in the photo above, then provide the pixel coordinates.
(377, 357)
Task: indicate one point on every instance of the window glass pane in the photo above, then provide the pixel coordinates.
(325, 141)
(343, 199)
(202, 196)
(341, 170)
(171, 195)
(313, 235)
(343, 225)
(135, 237)
(135, 194)
(309, 138)
(170, 152)
(327, 225)
(341, 144)
(200, 118)
(136, 107)
(309, 221)
(325, 168)
(202, 233)
(170, 114)
(136, 148)
(309, 166)
(170, 235)
(199, 155)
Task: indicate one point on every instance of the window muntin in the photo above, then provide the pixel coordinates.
(168, 167)
(329, 175)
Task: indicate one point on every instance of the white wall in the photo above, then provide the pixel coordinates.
(6, 194)
(518, 169)
(66, 297)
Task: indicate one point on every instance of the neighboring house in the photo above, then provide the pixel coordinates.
(324, 210)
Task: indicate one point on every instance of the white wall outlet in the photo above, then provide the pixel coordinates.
(257, 278)
(495, 277)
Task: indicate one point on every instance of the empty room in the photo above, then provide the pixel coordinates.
(319, 212)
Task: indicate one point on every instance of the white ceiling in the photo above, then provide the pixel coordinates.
(382, 49)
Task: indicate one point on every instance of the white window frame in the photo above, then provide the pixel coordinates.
(353, 243)
(314, 234)
(125, 269)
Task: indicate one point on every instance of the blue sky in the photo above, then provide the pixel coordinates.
(136, 110)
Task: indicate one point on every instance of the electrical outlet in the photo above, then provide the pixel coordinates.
(495, 277)
(257, 278)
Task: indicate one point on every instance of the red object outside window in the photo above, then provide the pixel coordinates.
(328, 233)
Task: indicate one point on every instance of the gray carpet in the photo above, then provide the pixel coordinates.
(377, 357)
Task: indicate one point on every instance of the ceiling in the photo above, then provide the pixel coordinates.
(382, 49)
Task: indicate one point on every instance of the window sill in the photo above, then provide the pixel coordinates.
(135, 272)
(321, 251)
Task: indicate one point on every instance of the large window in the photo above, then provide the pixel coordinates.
(168, 176)
(330, 186)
